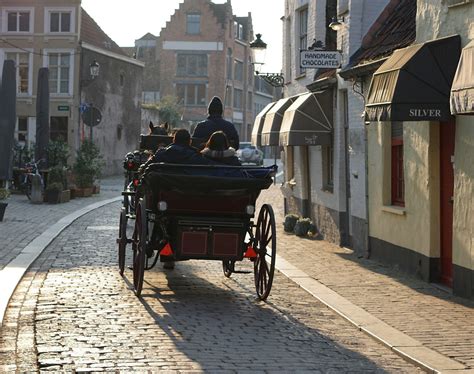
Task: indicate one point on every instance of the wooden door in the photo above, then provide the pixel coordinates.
(447, 131)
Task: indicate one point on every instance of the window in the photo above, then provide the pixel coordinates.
(239, 71)
(249, 101)
(192, 65)
(193, 23)
(328, 167)
(191, 94)
(228, 96)
(238, 98)
(229, 64)
(150, 97)
(22, 133)
(60, 22)
(238, 31)
(58, 130)
(18, 21)
(398, 180)
(250, 73)
(59, 72)
(22, 67)
(303, 32)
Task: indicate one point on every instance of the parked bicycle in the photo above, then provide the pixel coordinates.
(26, 178)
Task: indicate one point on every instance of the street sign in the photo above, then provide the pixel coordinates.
(63, 108)
(320, 59)
(91, 116)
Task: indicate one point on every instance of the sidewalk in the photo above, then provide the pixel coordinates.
(24, 221)
(420, 315)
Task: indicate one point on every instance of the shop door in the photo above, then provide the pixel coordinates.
(447, 131)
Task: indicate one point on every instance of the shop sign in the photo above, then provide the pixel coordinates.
(63, 108)
(312, 59)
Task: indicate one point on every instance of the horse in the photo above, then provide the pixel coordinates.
(162, 129)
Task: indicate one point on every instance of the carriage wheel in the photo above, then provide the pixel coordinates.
(141, 227)
(122, 242)
(229, 267)
(265, 243)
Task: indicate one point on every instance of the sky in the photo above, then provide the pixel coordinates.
(127, 20)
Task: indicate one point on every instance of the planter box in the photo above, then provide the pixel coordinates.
(57, 197)
(83, 192)
(96, 189)
(3, 206)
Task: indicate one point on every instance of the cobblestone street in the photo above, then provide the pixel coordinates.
(73, 311)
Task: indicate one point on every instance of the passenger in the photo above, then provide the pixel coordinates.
(215, 122)
(217, 149)
(180, 151)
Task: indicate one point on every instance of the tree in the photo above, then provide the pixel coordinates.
(168, 109)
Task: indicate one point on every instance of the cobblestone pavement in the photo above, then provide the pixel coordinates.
(437, 319)
(73, 311)
(24, 221)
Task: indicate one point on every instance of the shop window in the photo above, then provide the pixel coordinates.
(397, 170)
(193, 23)
(191, 94)
(328, 167)
(58, 130)
(22, 66)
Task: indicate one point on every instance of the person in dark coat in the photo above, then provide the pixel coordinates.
(180, 151)
(215, 122)
(217, 149)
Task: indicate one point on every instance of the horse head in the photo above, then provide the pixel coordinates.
(159, 129)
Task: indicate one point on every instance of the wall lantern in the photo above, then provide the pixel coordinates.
(336, 24)
(259, 47)
(94, 69)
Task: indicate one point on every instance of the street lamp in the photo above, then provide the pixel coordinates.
(336, 24)
(259, 47)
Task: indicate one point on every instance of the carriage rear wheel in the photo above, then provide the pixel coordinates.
(139, 257)
(122, 242)
(265, 247)
(229, 267)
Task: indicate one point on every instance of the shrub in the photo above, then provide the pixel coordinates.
(313, 230)
(302, 226)
(58, 152)
(88, 164)
(4, 193)
(290, 221)
(56, 179)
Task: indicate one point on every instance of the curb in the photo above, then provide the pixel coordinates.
(405, 346)
(12, 273)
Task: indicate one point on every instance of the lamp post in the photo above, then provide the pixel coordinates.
(259, 47)
(91, 115)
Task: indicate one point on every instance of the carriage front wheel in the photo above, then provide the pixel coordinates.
(139, 253)
(265, 247)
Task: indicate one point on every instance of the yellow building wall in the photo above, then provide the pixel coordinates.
(463, 220)
(415, 226)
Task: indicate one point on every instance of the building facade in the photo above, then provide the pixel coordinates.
(66, 40)
(203, 51)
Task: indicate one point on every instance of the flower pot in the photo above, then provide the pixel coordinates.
(96, 189)
(83, 192)
(3, 206)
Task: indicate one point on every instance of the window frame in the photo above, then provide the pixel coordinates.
(238, 92)
(239, 70)
(62, 131)
(196, 85)
(328, 166)
(187, 57)
(188, 23)
(302, 35)
(29, 51)
(4, 23)
(47, 19)
(47, 54)
(397, 170)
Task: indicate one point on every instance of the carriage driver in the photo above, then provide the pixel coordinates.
(214, 123)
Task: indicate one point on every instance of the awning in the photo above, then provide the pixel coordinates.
(273, 119)
(462, 92)
(414, 83)
(258, 125)
(308, 121)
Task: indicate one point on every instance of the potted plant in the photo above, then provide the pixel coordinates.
(4, 193)
(87, 167)
(290, 222)
(56, 191)
(302, 226)
(56, 187)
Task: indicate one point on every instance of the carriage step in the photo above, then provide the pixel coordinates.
(242, 272)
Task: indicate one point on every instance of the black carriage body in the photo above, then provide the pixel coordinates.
(206, 214)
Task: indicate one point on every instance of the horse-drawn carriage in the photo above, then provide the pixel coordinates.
(192, 212)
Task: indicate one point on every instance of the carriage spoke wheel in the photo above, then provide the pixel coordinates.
(122, 242)
(229, 267)
(141, 227)
(265, 246)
